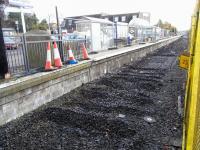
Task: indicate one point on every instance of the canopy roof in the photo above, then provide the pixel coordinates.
(94, 20)
(19, 6)
(137, 22)
(20, 3)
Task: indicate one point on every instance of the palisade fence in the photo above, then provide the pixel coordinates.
(26, 54)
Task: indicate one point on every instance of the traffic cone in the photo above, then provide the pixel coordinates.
(48, 65)
(57, 60)
(84, 51)
(71, 60)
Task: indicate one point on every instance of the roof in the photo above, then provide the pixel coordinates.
(21, 3)
(91, 15)
(137, 22)
(135, 13)
(17, 9)
(8, 29)
(104, 15)
(94, 20)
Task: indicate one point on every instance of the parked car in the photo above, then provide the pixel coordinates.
(54, 37)
(69, 36)
(10, 43)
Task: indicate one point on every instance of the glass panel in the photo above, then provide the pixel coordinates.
(123, 18)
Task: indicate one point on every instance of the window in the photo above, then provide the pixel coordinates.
(70, 22)
(116, 19)
(123, 18)
(134, 16)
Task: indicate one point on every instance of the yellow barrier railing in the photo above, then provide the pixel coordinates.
(191, 131)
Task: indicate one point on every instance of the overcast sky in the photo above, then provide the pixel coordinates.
(177, 12)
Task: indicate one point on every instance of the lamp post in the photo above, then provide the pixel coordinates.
(49, 22)
(59, 35)
(57, 18)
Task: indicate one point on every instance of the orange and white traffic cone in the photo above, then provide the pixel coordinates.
(57, 59)
(72, 59)
(84, 52)
(48, 65)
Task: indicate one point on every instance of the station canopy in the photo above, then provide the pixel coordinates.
(94, 20)
(137, 22)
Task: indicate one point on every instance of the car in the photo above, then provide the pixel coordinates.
(10, 43)
(54, 37)
(69, 36)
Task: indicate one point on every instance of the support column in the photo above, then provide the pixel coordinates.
(3, 60)
(23, 21)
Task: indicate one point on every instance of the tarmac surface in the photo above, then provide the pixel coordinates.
(134, 108)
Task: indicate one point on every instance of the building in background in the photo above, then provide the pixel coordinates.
(127, 17)
(70, 25)
(98, 31)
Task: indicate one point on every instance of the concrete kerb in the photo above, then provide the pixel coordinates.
(42, 78)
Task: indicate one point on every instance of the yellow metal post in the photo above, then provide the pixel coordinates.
(191, 133)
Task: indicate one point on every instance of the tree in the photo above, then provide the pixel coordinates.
(31, 21)
(43, 25)
(160, 23)
(166, 25)
(4, 2)
(10, 22)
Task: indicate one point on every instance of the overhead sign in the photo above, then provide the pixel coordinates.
(20, 3)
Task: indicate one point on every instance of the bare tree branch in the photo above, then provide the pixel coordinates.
(4, 2)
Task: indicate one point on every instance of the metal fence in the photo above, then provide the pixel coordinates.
(15, 52)
(26, 54)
